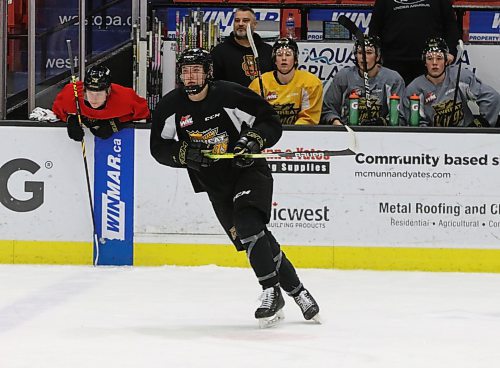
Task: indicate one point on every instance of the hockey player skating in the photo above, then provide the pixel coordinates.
(296, 95)
(219, 116)
(436, 90)
(382, 83)
(104, 105)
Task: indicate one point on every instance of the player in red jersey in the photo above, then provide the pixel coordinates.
(105, 106)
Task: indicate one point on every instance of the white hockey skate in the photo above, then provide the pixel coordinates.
(308, 306)
(270, 312)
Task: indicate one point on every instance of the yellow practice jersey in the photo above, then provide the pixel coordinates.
(298, 102)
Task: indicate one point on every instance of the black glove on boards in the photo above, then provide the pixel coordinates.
(100, 128)
(75, 131)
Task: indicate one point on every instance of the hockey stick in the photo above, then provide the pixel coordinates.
(351, 151)
(79, 116)
(256, 57)
(358, 34)
(328, 153)
(460, 53)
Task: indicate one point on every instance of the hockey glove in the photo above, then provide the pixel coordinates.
(192, 156)
(75, 131)
(380, 121)
(479, 122)
(250, 142)
(104, 128)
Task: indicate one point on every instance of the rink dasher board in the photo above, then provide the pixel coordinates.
(353, 200)
(341, 212)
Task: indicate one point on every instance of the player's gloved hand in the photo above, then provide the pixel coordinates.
(479, 122)
(192, 155)
(75, 131)
(195, 156)
(250, 142)
(104, 128)
(380, 121)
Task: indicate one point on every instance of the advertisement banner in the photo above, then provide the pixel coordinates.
(401, 189)
(324, 60)
(114, 197)
(108, 29)
(224, 17)
(43, 192)
(484, 26)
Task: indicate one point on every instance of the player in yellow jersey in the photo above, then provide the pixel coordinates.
(296, 95)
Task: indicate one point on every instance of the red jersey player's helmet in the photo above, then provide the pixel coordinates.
(286, 43)
(435, 44)
(196, 56)
(97, 78)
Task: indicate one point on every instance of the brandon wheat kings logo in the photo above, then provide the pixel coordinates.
(113, 208)
(299, 217)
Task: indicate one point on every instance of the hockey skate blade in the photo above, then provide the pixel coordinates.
(272, 321)
(317, 319)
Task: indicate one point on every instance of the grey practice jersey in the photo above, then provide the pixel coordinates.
(436, 101)
(348, 80)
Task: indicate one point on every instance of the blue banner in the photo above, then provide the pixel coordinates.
(108, 29)
(223, 17)
(114, 198)
(484, 26)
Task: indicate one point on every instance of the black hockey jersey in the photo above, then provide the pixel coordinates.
(216, 122)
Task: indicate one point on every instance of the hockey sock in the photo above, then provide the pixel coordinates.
(289, 279)
(250, 228)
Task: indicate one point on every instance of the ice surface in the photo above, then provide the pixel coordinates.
(71, 317)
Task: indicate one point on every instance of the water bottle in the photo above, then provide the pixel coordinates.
(290, 26)
(353, 109)
(414, 110)
(394, 109)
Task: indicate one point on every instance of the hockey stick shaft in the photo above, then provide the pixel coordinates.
(256, 57)
(328, 153)
(460, 51)
(84, 154)
(358, 34)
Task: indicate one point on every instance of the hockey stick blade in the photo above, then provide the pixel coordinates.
(256, 58)
(328, 153)
(351, 27)
(460, 52)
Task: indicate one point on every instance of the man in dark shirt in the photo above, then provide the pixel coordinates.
(233, 59)
(219, 116)
(403, 27)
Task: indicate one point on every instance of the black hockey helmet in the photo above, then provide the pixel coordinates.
(435, 44)
(370, 41)
(286, 43)
(196, 56)
(97, 78)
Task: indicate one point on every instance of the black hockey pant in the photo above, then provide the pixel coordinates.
(246, 227)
